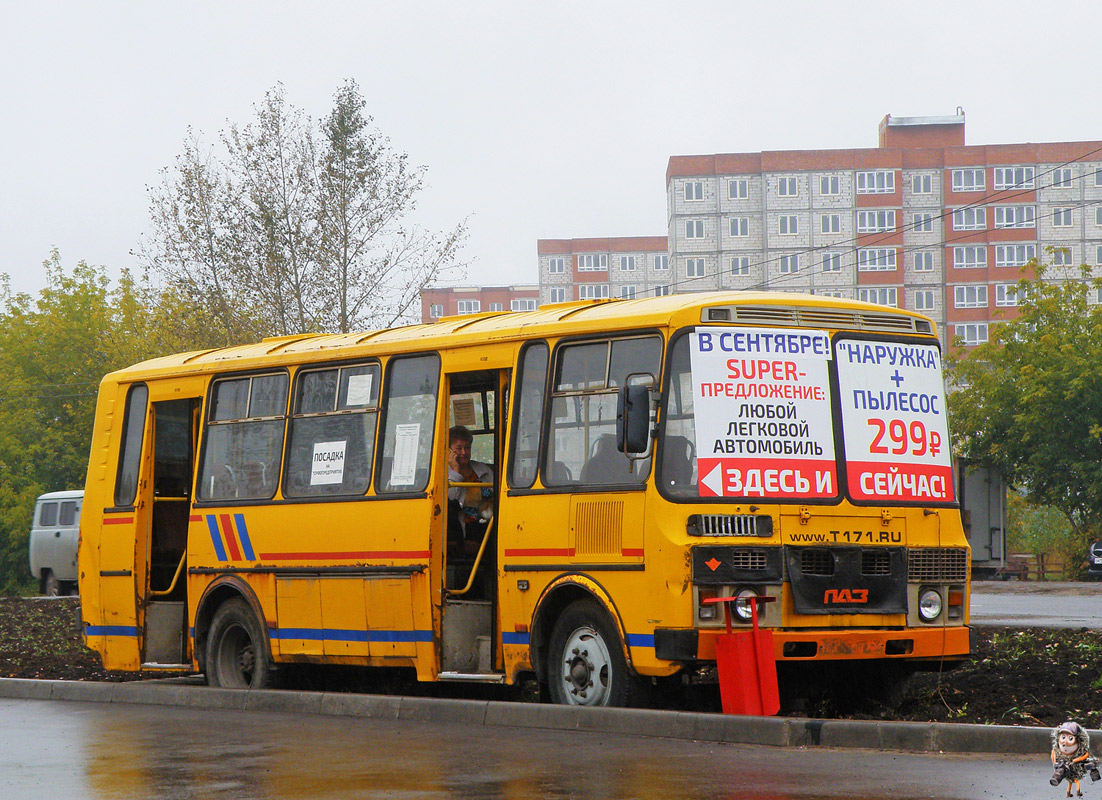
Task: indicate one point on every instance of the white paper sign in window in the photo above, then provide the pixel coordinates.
(763, 413)
(359, 390)
(328, 463)
(406, 439)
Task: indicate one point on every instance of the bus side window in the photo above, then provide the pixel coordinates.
(531, 388)
(412, 386)
(126, 479)
(244, 438)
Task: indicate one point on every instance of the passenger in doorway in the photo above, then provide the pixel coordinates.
(470, 507)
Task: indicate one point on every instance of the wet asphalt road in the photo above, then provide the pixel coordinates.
(1022, 604)
(101, 751)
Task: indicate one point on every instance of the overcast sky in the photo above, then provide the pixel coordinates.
(549, 120)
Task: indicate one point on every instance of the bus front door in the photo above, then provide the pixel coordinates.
(174, 434)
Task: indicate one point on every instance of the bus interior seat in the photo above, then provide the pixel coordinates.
(607, 464)
(678, 460)
(560, 474)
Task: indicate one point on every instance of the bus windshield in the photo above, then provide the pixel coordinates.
(777, 414)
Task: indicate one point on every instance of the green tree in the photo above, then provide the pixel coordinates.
(291, 227)
(1029, 401)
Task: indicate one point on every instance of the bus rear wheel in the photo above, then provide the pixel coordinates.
(585, 662)
(236, 655)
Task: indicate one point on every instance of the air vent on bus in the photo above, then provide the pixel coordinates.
(730, 525)
(875, 562)
(937, 565)
(817, 318)
(817, 562)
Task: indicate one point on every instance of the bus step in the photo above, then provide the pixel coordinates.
(471, 677)
(151, 666)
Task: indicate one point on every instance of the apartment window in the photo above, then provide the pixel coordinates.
(885, 296)
(557, 294)
(829, 185)
(556, 265)
(972, 333)
(969, 180)
(469, 306)
(1006, 295)
(875, 221)
(970, 257)
(661, 291)
(970, 219)
(876, 259)
(922, 222)
(1061, 178)
(740, 265)
(1098, 177)
(1013, 178)
(496, 307)
(1098, 255)
(740, 226)
(661, 262)
(627, 292)
(436, 311)
(1094, 296)
(694, 267)
(1098, 216)
(970, 297)
(830, 223)
(694, 190)
(738, 189)
(788, 225)
(790, 264)
(830, 293)
(786, 187)
(832, 262)
(924, 300)
(1061, 257)
(523, 304)
(1061, 218)
(593, 263)
(1015, 217)
(627, 263)
(924, 261)
(881, 181)
(593, 291)
(694, 229)
(922, 184)
(1014, 255)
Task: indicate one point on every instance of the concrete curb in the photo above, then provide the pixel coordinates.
(923, 737)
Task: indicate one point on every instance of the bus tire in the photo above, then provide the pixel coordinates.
(51, 586)
(236, 655)
(585, 661)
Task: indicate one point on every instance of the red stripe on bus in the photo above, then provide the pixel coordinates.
(638, 552)
(346, 556)
(566, 552)
(231, 539)
(118, 520)
(195, 518)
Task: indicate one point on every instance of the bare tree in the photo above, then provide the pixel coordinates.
(279, 236)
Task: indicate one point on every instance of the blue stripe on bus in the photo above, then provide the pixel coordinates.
(336, 635)
(243, 532)
(111, 630)
(641, 639)
(216, 537)
(514, 638)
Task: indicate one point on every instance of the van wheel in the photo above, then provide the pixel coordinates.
(51, 586)
(585, 662)
(236, 654)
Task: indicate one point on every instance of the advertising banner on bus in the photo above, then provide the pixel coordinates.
(894, 421)
(763, 413)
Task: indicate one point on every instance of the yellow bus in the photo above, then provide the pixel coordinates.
(288, 501)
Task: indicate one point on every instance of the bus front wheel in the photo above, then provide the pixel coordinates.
(585, 661)
(236, 656)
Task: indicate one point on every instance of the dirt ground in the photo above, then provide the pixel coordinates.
(1014, 677)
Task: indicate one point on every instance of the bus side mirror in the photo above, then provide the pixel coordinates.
(633, 419)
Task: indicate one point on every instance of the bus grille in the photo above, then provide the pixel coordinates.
(730, 525)
(599, 527)
(817, 562)
(937, 564)
(825, 318)
(875, 562)
(748, 559)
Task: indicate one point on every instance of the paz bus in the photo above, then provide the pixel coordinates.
(287, 501)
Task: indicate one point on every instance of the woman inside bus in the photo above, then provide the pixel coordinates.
(469, 507)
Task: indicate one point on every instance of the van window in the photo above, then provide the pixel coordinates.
(47, 515)
(68, 513)
(130, 453)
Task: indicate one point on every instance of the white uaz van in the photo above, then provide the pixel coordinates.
(55, 532)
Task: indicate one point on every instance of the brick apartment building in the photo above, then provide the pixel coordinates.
(923, 221)
(590, 269)
(437, 302)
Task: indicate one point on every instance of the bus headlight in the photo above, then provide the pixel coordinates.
(929, 604)
(745, 610)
